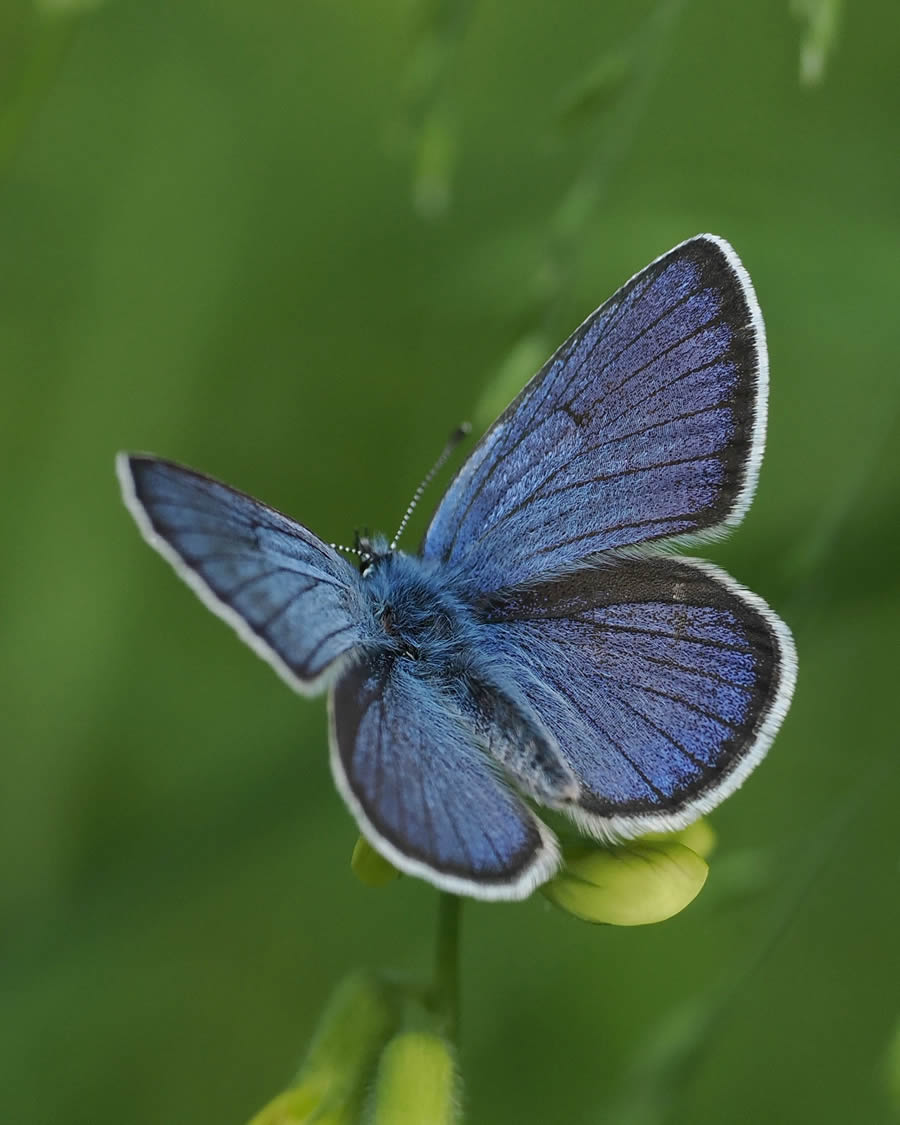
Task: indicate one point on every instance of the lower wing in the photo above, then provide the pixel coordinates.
(662, 681)
(408, 764)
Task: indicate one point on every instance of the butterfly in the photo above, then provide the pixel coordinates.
(544, 647)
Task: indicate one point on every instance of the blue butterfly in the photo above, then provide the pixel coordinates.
(544, 647)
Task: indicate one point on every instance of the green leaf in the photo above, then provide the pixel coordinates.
(330, 1086)
(370, 867)
(632, 885)
(298, 1106)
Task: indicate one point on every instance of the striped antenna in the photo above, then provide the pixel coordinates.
(453, 441)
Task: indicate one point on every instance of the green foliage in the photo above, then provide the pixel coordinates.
(330, 1088)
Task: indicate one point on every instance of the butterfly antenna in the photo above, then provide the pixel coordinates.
(453, 441)
(341, 547)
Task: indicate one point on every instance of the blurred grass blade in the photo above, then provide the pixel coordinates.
(330, 1086)
(522, 361)
(65, 7)
(628, 77)
(822, 19)
(594, 92)
(662, 1064)
(892, 1070)
(43, 53)
(429, 118)
(435, 157)
(741, 876)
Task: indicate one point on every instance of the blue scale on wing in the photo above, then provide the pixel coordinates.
(293, 591)
(639, 428)
(631, 691)
(424, 786)
(654, 676)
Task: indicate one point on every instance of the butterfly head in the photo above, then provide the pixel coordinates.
(370, 550)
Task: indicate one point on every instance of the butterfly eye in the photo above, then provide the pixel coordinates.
(363, 548)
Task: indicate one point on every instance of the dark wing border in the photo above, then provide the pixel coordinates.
(727, 782)
(759, 367)
(204, 591)
(543, 863)
(759, 351)
(622, 826)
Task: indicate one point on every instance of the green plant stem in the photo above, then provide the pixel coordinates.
(445, 993)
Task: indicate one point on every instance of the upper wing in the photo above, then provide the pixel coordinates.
(647, 423)
(662, 681)
(292, 598)
(409, 766)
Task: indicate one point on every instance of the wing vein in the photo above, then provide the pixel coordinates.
(527, 431)
(593, 449)
(614, 743)
(674, 697)
(660, 730)
(307, 661)
(549, 379)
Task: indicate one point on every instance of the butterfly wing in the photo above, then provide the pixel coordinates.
(662, 681)
(292, 598)
(648, 423)
(407, 763)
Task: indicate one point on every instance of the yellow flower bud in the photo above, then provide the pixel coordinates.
(700, 837)
(632, 885)
(370, 867)
(416, 1083)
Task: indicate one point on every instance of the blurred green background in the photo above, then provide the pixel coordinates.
(293, 244)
